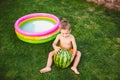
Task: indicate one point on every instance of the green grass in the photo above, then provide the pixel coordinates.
(97, 32)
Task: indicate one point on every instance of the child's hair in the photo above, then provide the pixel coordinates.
(65, 24)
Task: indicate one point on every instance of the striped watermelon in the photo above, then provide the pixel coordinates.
(63, 58)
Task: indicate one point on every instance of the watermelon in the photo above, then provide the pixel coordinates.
(62, 58)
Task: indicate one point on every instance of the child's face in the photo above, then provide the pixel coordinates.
(65, 33)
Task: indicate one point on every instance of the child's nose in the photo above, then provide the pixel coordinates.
(64, 35)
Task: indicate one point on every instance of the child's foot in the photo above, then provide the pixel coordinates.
(44, 70)
(75, 70)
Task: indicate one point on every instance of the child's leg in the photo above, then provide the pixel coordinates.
(49, 63)
(76, 62)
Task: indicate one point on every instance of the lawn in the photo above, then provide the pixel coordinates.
(97, 32)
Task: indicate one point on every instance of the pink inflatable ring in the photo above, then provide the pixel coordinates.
(37, 27)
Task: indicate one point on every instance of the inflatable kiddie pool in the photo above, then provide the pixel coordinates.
(37, 27)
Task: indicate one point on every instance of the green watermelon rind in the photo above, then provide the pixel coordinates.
(60, 60)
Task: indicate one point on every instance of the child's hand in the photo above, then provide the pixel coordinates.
(57, 49)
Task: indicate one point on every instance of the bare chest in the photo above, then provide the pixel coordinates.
(65, 41)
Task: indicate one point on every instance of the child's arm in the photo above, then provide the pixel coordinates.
(74, 47)
(56, 48)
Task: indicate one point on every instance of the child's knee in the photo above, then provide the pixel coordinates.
(78, 53)
(51, 53)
